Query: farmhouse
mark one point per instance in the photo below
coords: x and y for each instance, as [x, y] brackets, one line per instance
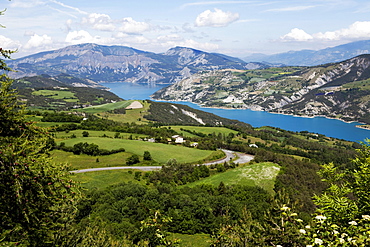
[178, 139]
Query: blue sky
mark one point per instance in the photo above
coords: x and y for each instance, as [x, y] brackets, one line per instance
[236, 28]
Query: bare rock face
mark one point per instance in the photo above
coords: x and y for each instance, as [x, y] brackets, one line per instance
[339, 90]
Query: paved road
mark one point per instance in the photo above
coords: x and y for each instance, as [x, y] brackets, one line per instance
[242, 158]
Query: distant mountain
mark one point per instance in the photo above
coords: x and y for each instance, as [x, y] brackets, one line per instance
[312, 58]
[337, 90]
[119, 63]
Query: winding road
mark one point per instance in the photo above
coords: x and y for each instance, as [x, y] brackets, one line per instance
[241, 159]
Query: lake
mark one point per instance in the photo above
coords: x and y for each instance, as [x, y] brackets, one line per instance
[329, 127]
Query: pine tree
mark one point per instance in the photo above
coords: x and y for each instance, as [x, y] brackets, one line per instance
[37, 197]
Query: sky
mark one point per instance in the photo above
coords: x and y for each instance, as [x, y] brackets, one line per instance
[236, 28]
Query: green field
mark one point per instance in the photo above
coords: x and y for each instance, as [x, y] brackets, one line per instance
[106, 107]
[103, 179]
[261, 174]
[96, 133]
[160, 152]
[67, 96]
[202, 129]
[84, 161]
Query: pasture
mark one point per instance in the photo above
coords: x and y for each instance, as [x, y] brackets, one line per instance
[159, 152]
[103, 179]
[260, 174]
[202, 129]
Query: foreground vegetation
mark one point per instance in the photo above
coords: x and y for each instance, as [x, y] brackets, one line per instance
[318, 197]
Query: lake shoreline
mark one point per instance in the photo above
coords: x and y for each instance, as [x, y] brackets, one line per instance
[359, 124]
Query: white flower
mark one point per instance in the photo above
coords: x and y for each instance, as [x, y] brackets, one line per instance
[335, 232]
[353, 223]
[308, 227]
[303, 231]
[320, 217]
[318, 241]
[279, 245]
[366, 217]
[341, 240]
[308, 245]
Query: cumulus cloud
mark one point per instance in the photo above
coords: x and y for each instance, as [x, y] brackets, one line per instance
[37, 41]
[191, 44]
[170, 37]
[79, 37]
[296, 34]
[100, 22]
[8, 44]
[129, 25]
[217, 18]
[132, 39]
[358, 30]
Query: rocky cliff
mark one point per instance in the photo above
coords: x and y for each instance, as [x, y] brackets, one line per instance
[339, 90]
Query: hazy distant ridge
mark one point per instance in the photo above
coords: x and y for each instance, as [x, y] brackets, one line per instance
[119, 63]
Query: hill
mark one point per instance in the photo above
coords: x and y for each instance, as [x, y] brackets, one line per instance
[62, 92]
[119, 63]
[338, 90]
[312, 57]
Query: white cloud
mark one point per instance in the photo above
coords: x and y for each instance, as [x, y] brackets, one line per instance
[100, 22]
[37, 41]
[132, 39]
[191, 44]
[79, 37]
[358, 30]
[129, 25]
[170, 37]
[9, 44]
[69, 7]
[218, 18]
[296, 34]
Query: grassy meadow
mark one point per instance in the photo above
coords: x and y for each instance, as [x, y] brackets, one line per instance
[159, 152]
[103, 179]
[202, 129]
[260, 174]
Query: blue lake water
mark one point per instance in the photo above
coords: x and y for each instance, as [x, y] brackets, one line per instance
[321, 125]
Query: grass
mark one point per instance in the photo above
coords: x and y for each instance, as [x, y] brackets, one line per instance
[260, 174]
[159, 152]
[196, 240]
[57, 94]
[106, 107]
[85, 161]
[103, 179]
[96, 133]
[202, 129]
[132, 115]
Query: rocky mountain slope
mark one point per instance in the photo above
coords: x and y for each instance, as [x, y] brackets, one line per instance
[338, 90]
[312, 57]
[119, 63]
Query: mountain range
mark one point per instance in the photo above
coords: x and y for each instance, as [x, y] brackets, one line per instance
[338, 90]
[312, 57]
[124, 64]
